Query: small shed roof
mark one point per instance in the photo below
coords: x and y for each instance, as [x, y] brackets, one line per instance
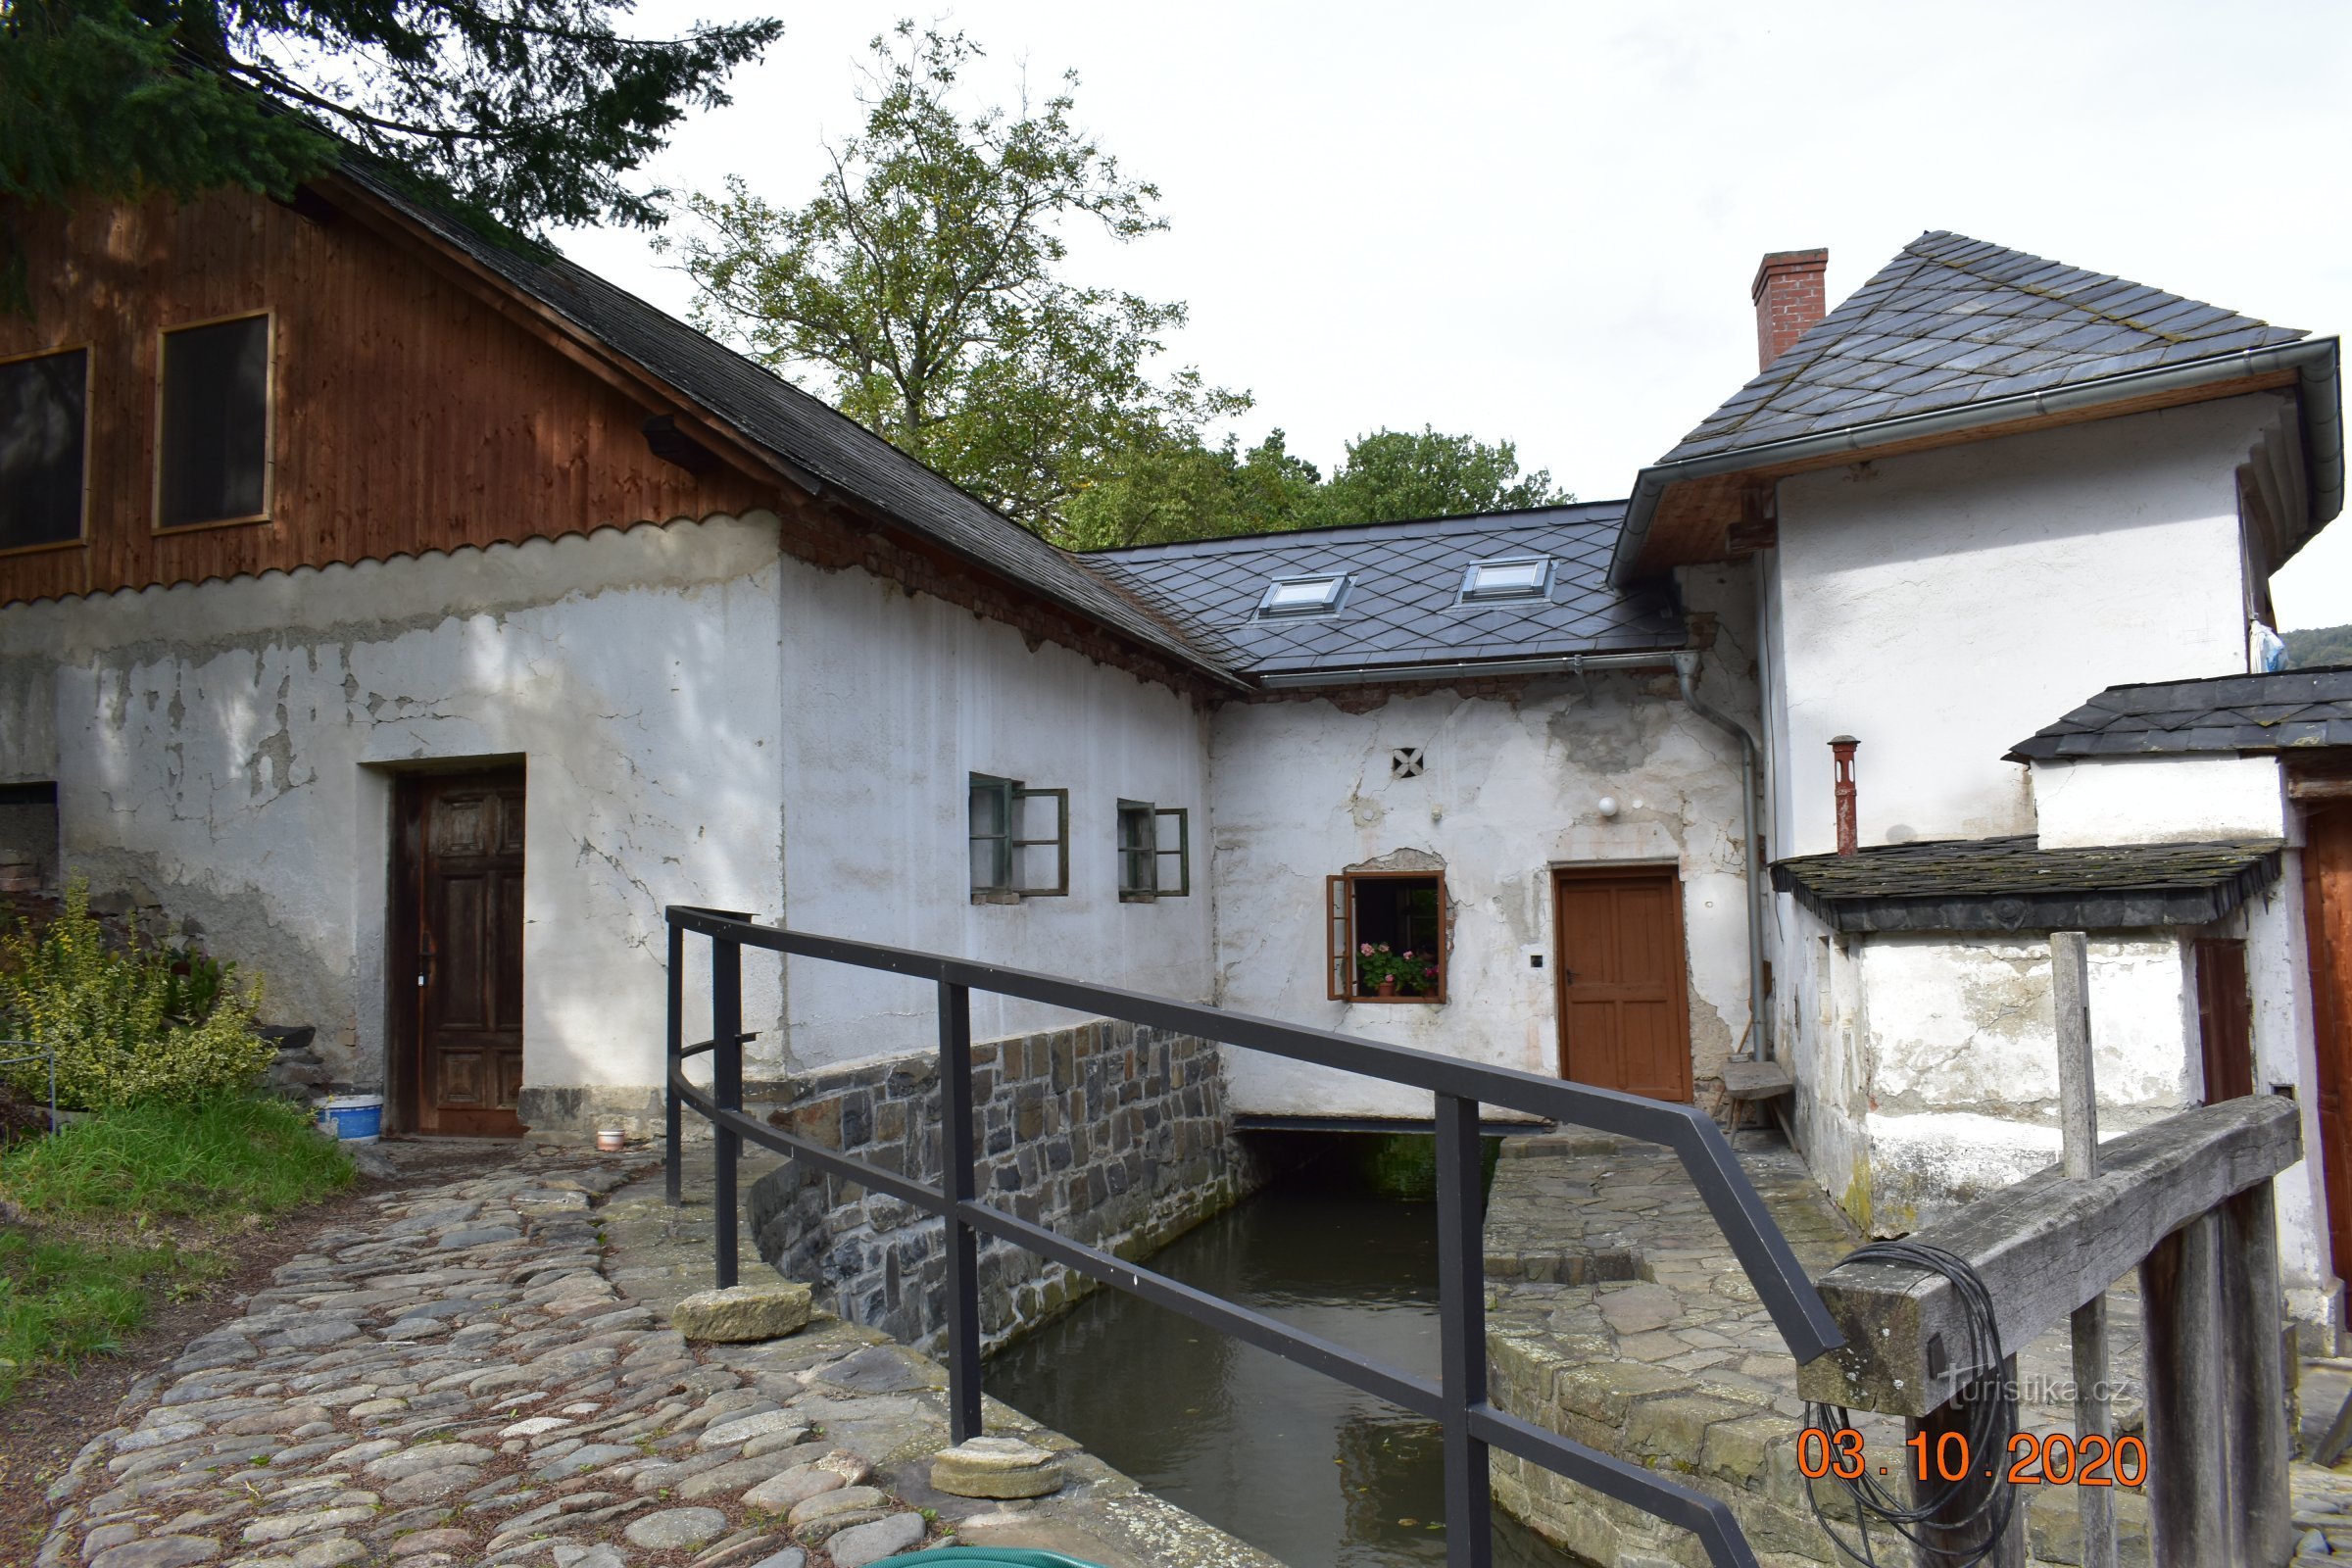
[2285, 709]
[2013, 884]
[1402, 606]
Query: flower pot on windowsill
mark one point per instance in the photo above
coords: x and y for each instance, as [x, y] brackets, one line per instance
[1387, 988]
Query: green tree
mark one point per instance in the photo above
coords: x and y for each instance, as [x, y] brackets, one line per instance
[525, 111]
[2318, 647]
[1182, 489]
[925, 286]
[1392, 476]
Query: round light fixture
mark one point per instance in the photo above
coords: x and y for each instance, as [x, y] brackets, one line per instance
[1607, 806]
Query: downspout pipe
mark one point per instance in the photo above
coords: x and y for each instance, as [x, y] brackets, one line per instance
[1752, 1046]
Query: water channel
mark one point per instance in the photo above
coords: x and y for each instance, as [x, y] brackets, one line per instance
[1298, 1464]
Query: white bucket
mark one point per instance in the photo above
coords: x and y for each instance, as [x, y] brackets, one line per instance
[351, 1118]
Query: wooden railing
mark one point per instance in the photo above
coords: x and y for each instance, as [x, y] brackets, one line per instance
[2186, 1203]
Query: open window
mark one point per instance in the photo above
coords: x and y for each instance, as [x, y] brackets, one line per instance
[44, 443]
[213, 444]
[1386, 936]
[1156, 852]
[1020, 841]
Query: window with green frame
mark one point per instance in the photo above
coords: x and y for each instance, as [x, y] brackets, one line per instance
[1020, 841]
[1156, 852]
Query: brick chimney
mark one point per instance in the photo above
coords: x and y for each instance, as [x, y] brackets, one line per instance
[1788, 297]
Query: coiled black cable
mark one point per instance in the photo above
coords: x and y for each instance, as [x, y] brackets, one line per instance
[1991, 1404]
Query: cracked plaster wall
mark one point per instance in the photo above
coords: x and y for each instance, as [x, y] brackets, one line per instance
[1944, 604]
[229, 749]
[1302, 791]
[894, 701]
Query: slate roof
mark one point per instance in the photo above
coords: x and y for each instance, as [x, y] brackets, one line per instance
[2013, 884]
[1401, 605]
[801, 429]
[2281, 710]
[1952, 320]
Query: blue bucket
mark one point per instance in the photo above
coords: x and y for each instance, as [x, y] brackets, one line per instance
[351, 1118]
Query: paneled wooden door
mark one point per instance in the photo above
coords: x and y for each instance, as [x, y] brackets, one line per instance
[2327, 927]
[1624, 1007]
[462, 838]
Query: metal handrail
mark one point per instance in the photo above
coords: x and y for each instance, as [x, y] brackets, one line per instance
[1457, 1399]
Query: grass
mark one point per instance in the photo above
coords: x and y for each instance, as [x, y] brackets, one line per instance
[138, 1204]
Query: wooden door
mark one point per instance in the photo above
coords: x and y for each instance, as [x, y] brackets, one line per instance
[1624, 1008]
[2224, 1019]
[2327, 928]
[462, 957]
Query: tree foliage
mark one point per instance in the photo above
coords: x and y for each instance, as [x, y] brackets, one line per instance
[2320, 645]
[526, 111]
[1184, 490]
[924, 285]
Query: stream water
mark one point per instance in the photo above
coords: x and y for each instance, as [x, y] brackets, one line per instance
[1298, 1464]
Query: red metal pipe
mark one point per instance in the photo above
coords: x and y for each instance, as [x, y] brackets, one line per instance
[1849, 834]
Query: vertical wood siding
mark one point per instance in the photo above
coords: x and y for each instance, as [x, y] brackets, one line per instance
[407, 415]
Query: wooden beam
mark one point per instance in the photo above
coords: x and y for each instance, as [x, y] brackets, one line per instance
[2043, 1248]
[2181, 1351]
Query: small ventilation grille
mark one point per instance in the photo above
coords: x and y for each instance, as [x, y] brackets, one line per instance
[1405, 762]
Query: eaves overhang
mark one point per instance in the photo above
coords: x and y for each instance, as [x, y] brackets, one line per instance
[2314, 363]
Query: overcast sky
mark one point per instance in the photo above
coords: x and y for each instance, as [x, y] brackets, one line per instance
[1539, 222]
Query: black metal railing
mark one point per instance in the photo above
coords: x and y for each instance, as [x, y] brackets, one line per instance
[1457, 1399]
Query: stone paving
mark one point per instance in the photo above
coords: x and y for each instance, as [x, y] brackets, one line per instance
[1619, 1317]
[483, 1373]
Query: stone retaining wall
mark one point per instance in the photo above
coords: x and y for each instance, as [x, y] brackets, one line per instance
[1110, 1134]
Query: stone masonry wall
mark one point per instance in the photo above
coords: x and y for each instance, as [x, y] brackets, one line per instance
[1109, 1133]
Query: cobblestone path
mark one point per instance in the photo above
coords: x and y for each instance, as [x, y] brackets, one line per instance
[483, 1374]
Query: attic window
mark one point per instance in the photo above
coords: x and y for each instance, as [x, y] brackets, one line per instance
[215, 441]
[1289, 598]
[1524, 577]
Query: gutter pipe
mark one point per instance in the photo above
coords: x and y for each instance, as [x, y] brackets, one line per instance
[2314, 360]
[1562, 664]
[1686, 669]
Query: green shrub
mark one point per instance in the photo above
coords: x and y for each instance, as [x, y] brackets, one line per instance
[124, 1024]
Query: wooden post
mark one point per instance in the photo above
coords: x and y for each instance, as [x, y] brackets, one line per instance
[2078, 1130]
[1939, 1543]
[2256, 1415]
[2179, 1289]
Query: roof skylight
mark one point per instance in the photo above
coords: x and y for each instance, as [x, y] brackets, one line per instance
[1522, 577]
[1288, 598]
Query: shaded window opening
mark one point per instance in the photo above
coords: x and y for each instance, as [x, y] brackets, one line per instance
[1020, 841]
[44, 435]
[1155, 852]
[215, 441]
[1387, 926]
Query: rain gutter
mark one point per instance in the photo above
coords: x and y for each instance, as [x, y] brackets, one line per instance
[1560, 664]
[2314, 360]
[1751, 1046]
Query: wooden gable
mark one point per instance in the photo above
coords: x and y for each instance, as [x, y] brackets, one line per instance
[409, 408]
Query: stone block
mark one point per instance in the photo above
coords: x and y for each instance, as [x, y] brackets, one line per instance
[997, 1467]
[741, 1313]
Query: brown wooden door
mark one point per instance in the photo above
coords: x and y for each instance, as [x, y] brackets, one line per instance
[2224, 1019]
[1623, 1011]
[465, 837]
[2327, 927]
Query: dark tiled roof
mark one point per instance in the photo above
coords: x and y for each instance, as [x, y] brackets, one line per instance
[2013, 884]
[1403, 582]
[2281, 710]
[1953, 321]
[801, 429]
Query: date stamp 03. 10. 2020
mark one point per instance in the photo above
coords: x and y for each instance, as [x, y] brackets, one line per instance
[2051, 1459]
